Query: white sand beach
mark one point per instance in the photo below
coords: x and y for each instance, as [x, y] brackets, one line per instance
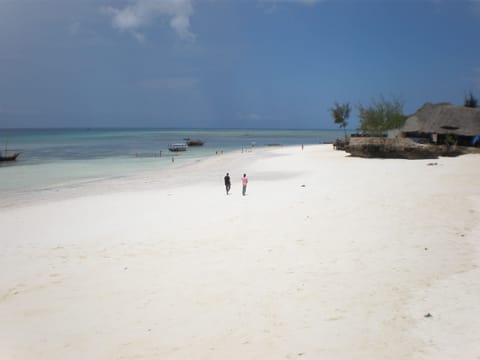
[327, 257]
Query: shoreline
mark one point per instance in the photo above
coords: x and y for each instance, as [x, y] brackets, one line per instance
[327, 256]
[52, 158]
[106, 184]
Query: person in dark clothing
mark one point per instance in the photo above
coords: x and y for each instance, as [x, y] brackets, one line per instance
[227, 182]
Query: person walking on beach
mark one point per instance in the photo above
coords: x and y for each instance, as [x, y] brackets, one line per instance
[227, 182]
[244, 184]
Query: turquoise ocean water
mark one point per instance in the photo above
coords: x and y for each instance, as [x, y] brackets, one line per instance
[56, 157]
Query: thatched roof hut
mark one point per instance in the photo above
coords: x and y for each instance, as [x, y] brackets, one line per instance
[444, 119]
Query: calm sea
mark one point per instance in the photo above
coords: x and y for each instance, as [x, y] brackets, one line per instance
[56, 157]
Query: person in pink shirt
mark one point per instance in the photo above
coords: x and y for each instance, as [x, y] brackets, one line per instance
[244, 184]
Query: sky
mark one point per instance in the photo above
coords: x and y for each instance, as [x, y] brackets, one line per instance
[229, 64]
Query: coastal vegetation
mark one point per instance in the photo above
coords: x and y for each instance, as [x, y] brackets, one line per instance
[340, 114]
[432, 131]
[470, 101]
[381, 115]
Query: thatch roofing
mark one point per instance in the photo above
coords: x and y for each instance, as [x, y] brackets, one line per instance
[444, 119]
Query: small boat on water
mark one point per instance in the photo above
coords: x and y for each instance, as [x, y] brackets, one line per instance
[6, 157]
[195, 142]
[177, 147]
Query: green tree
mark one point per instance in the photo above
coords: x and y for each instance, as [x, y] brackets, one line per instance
[340, 114]
[381, 115]
[470, 101]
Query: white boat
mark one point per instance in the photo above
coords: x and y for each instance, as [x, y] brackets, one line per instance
[177, 147]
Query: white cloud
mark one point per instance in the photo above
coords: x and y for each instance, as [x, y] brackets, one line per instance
[140, 13]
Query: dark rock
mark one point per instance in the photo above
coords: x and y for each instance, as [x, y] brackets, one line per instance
[398, 148]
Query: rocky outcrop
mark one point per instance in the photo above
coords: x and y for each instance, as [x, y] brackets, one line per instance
[398, 148]
[340, 144]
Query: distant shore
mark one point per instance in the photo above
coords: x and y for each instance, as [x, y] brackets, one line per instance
[328, 256]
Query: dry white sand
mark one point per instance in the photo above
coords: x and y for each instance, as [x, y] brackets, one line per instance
[166, 266]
